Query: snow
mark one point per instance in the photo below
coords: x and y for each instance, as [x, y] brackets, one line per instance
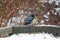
[55, 13]
[50, 1]
[42, 21]
[57, 9]
[26, 36]
[43, 25]
[46, 16]
[20, 11]
[48, 13]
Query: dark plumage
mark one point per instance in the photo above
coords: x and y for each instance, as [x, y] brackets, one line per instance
[29, 19]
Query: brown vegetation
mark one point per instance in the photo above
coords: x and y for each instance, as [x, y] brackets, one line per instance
[9, 9]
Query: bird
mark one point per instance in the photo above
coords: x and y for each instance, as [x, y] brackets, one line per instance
[29, 19]
[34, 21]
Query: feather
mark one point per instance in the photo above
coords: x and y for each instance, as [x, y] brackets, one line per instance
[29, 19]
[34, 21]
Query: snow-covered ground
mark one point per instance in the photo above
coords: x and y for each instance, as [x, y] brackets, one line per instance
[25, 36]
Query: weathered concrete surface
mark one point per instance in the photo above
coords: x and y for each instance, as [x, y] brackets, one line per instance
[6, 31]
[54, 30]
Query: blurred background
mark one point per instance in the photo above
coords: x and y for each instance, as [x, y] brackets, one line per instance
[19, 12]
